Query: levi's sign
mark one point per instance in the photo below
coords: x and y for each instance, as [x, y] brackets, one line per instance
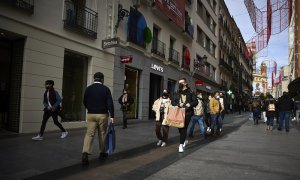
[157, 68]
[109, 43]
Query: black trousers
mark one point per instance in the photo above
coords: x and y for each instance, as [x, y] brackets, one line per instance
[183, 131]
[125, 119]
[46, 116]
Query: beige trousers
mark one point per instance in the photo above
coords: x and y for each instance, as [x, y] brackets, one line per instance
[95, 122]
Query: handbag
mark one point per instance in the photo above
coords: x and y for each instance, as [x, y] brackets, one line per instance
[110, 139]
[176, 117]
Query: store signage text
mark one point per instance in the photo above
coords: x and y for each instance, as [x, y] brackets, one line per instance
[157, 68]
[109, 43]
[126, 59]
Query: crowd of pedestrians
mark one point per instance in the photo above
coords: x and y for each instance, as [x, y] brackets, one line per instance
[208, 112]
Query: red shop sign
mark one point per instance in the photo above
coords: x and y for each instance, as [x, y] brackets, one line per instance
[126, 59]
[199, 83]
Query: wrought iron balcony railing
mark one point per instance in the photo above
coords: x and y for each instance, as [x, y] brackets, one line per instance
[174, 56]
[159, 48]
[80, 19]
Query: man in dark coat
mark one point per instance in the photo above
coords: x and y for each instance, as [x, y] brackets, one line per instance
[184, 98]
[285, 107]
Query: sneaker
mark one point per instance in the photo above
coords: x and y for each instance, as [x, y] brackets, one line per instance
[64, 134]
[37, 138]
[163, 144]
[185, 143]
[180, 148]
[103, 155]
[279, 129]
[159, 143]
[85, 159]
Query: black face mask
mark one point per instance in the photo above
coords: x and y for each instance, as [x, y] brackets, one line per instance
[165, 95]
[181, 86]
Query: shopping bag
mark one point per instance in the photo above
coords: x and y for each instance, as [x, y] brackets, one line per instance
[110, 139]
[176, 117]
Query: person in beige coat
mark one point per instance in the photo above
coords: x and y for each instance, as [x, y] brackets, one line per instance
[161, 108]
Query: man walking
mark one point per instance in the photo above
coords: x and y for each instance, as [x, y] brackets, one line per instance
[285, 107]
[51, 106]
[214, 106]
[125, 101]
[98, 102]
[184, 98]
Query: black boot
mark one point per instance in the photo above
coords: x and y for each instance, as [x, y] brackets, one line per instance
[85, 159]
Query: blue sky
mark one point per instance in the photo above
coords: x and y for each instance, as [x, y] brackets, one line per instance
[278, 45]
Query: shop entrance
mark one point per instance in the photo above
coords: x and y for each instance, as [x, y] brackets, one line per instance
[155, 91]
[74, 84]
[11, 63]
[132, 85]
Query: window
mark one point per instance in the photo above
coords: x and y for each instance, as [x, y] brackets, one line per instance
[200, 8]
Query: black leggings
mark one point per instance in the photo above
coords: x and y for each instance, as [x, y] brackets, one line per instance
[46, 116]
[183, 131]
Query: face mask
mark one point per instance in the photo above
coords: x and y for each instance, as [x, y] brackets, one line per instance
[165, 94]
[181, 86]
[124, 92]
[218, 97]
[200, 97]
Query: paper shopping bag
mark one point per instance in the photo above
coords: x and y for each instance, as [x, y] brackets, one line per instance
[176, 117]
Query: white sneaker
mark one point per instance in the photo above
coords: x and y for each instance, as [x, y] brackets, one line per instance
[159, 143]
[180, 148]
[64, 134]
[163, 144]
[185, 143]
[37, 138]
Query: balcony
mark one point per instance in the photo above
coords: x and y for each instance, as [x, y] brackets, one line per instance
[225, 65]
[80, 19]
[173, 56]
[159, 48]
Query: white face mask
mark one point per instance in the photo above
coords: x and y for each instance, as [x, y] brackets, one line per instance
[218, 97]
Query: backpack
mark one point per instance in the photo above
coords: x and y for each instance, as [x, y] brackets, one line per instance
[271, 107]
[198, 110]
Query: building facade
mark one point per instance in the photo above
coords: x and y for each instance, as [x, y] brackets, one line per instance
[143, 46]
[58, 40]
[294, 41]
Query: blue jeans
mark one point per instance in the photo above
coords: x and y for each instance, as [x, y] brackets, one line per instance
[284, 116]
[196, 119]
[214, 119]
[270, 121]
[219, 121]
[255, 115]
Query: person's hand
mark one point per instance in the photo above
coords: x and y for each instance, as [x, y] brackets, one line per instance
[181, 104]
[188, 105]
[49, 108]
[112, 120]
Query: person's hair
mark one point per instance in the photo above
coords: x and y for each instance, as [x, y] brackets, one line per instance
[99, 77]
[51, 82]
[272, 101]
[215, 93]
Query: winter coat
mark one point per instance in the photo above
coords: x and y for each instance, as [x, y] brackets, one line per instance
[214, 106]
[285, 103]
[190, 98]
[156, 108]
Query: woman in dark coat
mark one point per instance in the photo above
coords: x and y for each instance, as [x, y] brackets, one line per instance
[270, 108]
[125, 101]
